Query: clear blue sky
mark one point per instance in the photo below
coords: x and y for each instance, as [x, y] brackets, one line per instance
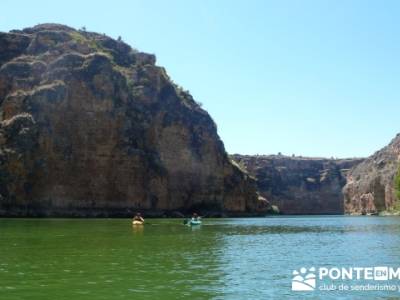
[314, 78]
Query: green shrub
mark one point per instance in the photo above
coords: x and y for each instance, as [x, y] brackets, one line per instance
[397, 183]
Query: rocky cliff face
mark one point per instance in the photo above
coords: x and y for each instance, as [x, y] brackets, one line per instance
[300, 185]
[370, 186]
[91, 127]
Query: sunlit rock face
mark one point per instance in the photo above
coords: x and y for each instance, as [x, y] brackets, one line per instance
[370, 185]
[300, 185]
[91, 127]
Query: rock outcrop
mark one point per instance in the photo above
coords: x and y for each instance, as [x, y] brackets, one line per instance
[370, 185]
[91, 127]
[299, 185]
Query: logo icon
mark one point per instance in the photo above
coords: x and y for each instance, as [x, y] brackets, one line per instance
[304, 280]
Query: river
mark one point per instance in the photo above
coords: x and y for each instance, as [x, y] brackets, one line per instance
[249, 258]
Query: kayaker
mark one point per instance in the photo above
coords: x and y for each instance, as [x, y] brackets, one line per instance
[138, 217]
[195, 220]
[195, 217]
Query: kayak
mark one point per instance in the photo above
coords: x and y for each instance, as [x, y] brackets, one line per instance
[192, 223]
[137, 222]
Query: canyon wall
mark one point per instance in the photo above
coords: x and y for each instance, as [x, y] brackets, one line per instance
[91, 127]
[299, 185]
[370, 187]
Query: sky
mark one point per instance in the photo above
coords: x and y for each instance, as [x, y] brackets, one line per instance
[311, 78]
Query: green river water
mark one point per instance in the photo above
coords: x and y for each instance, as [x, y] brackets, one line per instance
[221, 259]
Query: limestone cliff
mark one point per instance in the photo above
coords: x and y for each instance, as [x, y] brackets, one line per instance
[370, 186]
[91, 127]
[300, 185]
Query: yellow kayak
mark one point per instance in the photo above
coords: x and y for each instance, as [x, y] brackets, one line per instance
[137, 223]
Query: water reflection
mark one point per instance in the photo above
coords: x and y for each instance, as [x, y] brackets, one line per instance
[137, 229]
[195, 228]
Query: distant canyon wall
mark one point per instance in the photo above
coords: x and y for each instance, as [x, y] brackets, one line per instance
[299, 185]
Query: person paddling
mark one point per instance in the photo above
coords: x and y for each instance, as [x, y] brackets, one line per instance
[138, 219]
[195, 217]
[194, 220]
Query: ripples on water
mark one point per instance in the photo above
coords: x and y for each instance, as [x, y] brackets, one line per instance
[222, 259]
